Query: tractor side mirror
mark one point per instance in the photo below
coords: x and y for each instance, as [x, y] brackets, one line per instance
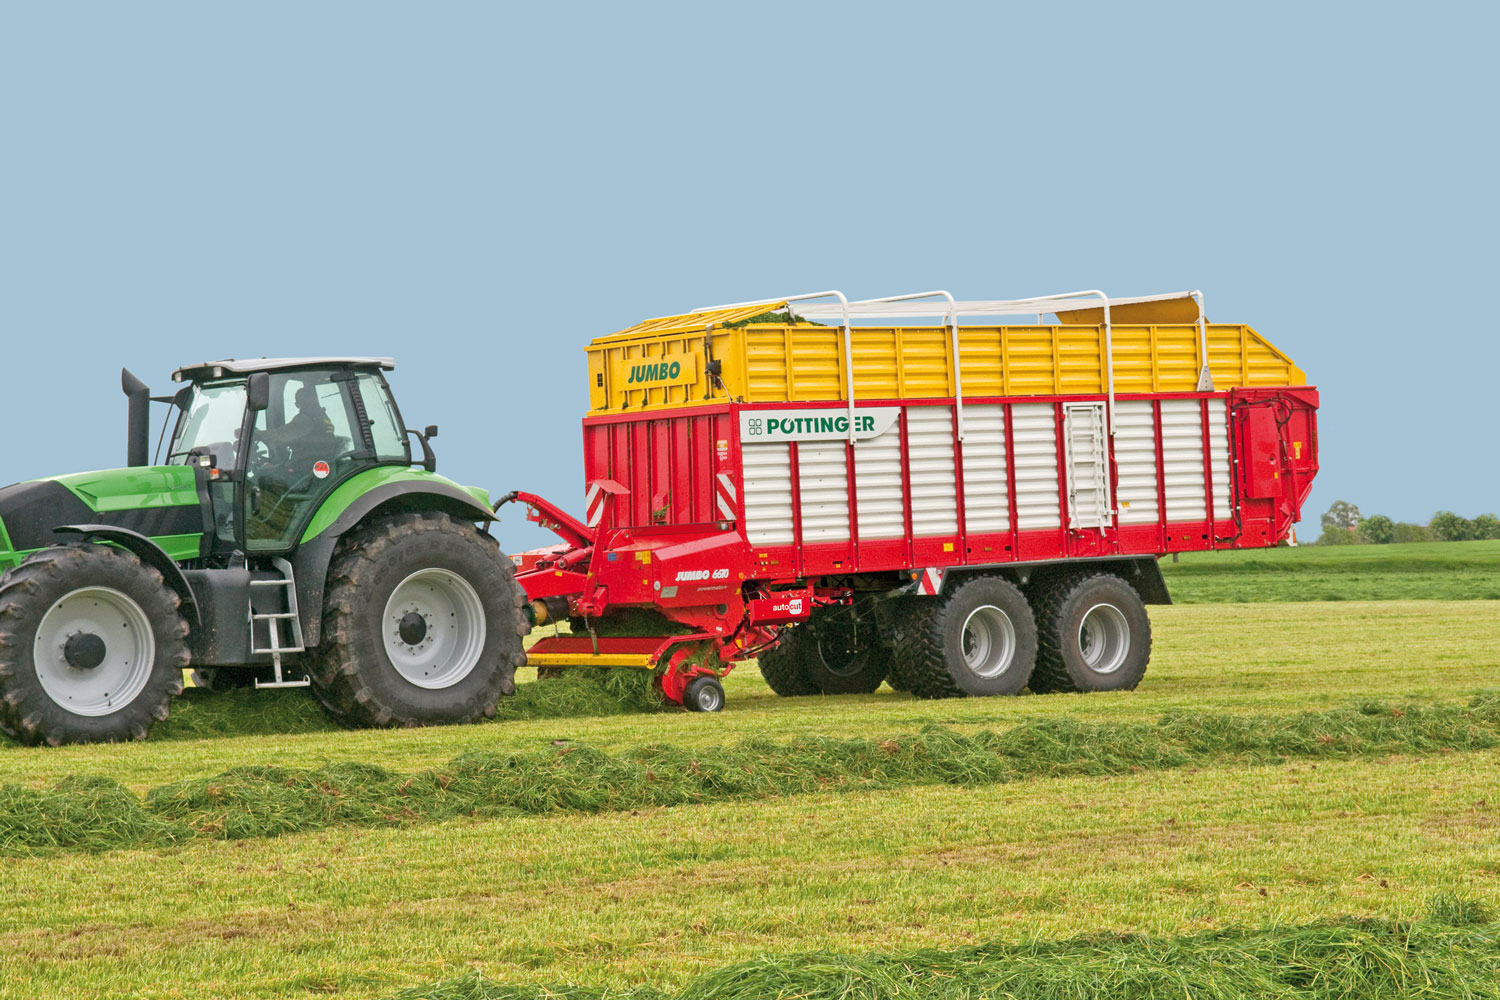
[258, 392]
[429, 460]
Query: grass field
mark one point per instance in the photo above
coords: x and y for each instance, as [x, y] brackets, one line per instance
[1283, 765]
[1450, 571]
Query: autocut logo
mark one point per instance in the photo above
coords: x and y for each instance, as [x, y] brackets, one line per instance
[815, 424]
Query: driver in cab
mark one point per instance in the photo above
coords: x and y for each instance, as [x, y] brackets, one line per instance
[297, 445]
[290, 454]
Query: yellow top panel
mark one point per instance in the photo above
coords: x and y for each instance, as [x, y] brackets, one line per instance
[692, 322]
[804, 363]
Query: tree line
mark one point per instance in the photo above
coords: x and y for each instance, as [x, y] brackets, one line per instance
[1343, 524]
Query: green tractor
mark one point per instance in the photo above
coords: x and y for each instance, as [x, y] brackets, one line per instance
[286, 540]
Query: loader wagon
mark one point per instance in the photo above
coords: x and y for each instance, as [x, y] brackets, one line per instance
[954, 497]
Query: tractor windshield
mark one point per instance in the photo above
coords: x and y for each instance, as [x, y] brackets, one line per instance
[210, 424]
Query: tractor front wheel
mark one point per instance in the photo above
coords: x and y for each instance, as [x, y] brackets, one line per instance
[92, 646]
[422, 624]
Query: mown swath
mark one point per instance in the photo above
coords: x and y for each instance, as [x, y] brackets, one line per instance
[96, 814]
[1454, 953]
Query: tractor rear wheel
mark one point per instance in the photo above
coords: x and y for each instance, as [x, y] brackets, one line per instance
[977, 639]
[422, 624]
[92, 646]
[1095, 634]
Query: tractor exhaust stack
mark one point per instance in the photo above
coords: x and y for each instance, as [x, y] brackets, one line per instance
[138, 423]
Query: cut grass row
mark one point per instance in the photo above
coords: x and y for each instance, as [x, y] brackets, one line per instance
[98, 813]
[1222, 659]
[1453, 953]
[661, 896]
[1449, 571]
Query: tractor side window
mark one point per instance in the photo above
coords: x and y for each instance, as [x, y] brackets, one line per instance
[385, 426]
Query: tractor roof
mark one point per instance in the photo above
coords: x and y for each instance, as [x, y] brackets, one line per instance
[229, 366]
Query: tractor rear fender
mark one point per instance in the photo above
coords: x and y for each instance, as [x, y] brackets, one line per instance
[149, 553]
[311, 560]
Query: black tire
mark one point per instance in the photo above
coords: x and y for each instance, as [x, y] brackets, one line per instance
[932, 635]
[1109, 653]
[784, 665]
[703, 694]
[128, 591]
[352, 670]
[824, 655]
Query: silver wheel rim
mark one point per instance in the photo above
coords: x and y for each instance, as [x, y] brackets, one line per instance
[453, 641]
[1104, 638]
[129, 651]
[989, 641]
[709, 698]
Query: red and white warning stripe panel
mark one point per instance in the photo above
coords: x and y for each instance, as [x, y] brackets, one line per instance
[726, 496]
[932, 581]
[593, 505]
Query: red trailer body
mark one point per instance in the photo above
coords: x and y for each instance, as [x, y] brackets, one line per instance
[732, 520]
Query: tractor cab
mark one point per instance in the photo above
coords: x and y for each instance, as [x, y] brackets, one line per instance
[276, 436]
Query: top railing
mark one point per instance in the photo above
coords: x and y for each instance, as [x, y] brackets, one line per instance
[918, 305]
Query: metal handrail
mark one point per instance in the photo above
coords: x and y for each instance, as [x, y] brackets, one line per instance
[952, 316]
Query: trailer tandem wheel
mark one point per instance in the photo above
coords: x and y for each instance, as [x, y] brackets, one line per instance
[826, 655]
[978, 639]
[1095, 634]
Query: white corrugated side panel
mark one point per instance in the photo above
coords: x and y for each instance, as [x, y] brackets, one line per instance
[768, 493]
[1088, 465]
[1035, 437]
[1218, 446]
[877, 485]
[1135, 461]
[934, 485]
[1182, 459]
[823, 481]
[986, 493]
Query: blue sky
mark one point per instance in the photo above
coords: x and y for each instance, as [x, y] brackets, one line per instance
[478, 189]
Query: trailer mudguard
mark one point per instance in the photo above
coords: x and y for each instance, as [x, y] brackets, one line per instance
[1141, 572]
[411, 491]
[149, 553]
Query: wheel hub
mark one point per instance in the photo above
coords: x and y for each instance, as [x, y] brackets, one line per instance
[84, 650]
[1104, 638]
[77, 667]
[435, 628]
[989, 641]
[413, 628]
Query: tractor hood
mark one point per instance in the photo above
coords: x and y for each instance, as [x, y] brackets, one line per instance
[161, 502]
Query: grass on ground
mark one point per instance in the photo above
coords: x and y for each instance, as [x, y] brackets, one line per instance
[1276, 658]
[1451, 953]
[1448, 571]
[1050, 817]
[99, 814]
[664, 894]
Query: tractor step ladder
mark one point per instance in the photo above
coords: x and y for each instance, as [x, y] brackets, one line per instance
[274, 621]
